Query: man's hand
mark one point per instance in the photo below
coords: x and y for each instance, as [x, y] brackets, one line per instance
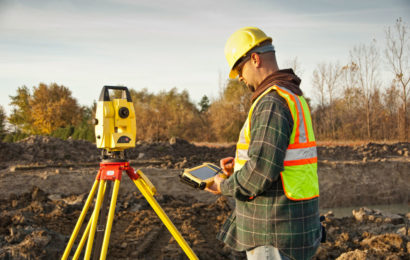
[227, 165]
[215, 187]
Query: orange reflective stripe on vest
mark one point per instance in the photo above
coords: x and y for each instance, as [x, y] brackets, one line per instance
[299, 178]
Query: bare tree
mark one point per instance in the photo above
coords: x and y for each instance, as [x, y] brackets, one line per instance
[398, 54]
[367, 60]
[349, 84]
[295, 65]
[319, 83]
[391, 100]
[333, 75]
[320, 122]
[326, 78]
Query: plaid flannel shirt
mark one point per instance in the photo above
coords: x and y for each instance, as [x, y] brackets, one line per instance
[270, 218]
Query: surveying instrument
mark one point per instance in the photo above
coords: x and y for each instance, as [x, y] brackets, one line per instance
[115, 131]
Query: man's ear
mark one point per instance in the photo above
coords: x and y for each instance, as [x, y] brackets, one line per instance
[256, 59]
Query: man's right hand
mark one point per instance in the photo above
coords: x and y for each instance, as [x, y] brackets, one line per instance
[227, 165]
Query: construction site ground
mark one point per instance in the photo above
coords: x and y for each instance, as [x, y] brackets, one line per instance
[44, 183]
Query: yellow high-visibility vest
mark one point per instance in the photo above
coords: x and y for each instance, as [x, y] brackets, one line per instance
[299, 178]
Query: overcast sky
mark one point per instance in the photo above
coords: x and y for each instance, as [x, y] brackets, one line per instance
[158, 45]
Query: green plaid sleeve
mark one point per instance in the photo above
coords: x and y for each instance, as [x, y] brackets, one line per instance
[270, 218]
[271, 127]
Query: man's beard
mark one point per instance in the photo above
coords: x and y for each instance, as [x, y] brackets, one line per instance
[250, 87]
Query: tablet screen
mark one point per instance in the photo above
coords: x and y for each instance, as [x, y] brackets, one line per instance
[205, 172]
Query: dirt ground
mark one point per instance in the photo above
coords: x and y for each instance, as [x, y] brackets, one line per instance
[44, 183]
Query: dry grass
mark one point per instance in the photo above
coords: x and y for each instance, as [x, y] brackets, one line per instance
[319, 143]
[353, 142]
[213, 145]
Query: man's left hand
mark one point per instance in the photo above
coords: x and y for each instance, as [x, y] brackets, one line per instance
[215, 187]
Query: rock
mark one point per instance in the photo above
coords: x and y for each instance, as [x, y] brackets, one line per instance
[365, 234]
[344, 236]
[383, 243]
[359, 215]
[176, 140]
[321, 253]
[12, 231]
[77, 200]
[54, 197]
[14, 236]
[392, 218]
[377, 216]
[38, 194]
[18, 219]
[403, 231]
[354, 255]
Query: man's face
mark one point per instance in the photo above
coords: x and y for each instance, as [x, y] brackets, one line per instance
[245, 74]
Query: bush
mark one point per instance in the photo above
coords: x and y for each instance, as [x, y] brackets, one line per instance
[63, 132]
[14, 137]
[84, 131]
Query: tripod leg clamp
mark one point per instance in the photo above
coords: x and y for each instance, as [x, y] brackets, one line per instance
[140, 177]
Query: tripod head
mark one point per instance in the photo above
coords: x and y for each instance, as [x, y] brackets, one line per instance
[115, 125]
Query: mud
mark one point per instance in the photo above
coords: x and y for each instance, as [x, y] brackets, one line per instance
[44, 183]
[37, 224]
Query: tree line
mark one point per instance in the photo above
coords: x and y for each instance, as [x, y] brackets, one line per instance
[350, 102]
[52, 110]
[354, 102]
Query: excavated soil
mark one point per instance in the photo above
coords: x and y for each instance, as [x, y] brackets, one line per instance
[44, 183]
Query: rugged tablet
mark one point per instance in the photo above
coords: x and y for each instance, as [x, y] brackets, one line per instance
[200, 176]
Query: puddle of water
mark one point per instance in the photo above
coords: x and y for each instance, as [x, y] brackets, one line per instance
[347, 211]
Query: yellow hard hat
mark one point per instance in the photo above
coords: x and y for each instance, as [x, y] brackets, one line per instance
[240, 42]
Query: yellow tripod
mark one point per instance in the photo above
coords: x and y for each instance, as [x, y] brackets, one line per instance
[112, 171]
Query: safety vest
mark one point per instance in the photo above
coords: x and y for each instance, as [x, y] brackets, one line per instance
[299, 178]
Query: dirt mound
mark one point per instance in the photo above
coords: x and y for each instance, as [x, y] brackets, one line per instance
[348, 175]
[23, 231]
[176, 153]
[36, 225]
[371, 237]
[47, 150]
[370, 151]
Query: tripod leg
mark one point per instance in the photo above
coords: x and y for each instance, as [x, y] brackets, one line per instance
[147, 193]
[99, 235]
[110, 220]
[94, 219]
[80, 221]
[83, 239]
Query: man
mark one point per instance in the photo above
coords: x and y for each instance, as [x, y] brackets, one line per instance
[273, 177]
